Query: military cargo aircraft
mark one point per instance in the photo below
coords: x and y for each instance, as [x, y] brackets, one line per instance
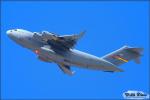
[59, 49]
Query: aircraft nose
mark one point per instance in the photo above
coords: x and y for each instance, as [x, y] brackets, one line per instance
[8, 32]
[12, 34]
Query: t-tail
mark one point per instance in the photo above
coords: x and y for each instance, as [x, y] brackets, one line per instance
[123, 55]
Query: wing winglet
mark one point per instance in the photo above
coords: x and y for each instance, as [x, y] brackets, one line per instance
[81, 34]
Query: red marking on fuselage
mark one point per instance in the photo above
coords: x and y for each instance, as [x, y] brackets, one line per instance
[37, 51]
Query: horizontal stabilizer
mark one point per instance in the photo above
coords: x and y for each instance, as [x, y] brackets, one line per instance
[137, 60]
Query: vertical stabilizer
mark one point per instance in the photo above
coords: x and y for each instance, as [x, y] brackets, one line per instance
[123, 55]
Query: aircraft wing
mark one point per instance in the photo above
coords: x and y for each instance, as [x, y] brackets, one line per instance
[58, 43]
[71, 37]
[69, 41]
[66, 69]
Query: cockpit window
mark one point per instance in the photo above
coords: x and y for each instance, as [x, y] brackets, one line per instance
[45, 32]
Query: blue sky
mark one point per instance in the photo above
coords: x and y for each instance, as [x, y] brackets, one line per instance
[108, 25]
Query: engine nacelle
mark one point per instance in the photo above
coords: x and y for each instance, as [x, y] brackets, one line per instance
[44, 59]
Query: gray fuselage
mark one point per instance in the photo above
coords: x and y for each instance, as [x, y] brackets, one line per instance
[71, 58]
